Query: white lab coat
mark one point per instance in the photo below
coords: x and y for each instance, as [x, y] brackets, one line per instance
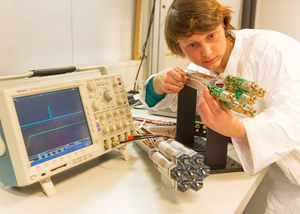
[273, 61]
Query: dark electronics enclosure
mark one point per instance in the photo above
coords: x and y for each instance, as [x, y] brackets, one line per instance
[215, 151]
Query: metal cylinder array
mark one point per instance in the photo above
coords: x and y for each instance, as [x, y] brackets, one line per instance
[233, 92]
[184, 167]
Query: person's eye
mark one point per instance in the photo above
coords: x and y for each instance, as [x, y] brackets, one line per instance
[193, 45]
[212, 36]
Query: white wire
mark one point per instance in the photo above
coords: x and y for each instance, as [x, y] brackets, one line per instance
[100, 68]
[142, 124]
[18, 76]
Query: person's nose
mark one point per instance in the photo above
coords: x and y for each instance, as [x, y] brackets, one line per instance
[206, 50]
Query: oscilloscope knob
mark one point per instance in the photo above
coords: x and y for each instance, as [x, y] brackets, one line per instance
[125, 123]
[107, 95]
[119, 125]
[90, 86]
[128, 113]
[111, 127]
[106, 130]
[119, 101]
[95, 106]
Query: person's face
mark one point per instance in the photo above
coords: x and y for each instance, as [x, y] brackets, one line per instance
[207, 49]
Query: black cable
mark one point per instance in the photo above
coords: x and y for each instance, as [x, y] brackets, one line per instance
[53, 71]
[145, 44]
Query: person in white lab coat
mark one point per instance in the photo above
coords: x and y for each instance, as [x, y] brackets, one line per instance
[201, 31]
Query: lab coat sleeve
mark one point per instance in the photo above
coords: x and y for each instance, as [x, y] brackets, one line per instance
[274, 134]
[169, 102]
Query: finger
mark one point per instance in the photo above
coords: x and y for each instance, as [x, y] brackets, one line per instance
[178, 75]
[180, 71]
[211, 101]
[175, 79]
[172, 89]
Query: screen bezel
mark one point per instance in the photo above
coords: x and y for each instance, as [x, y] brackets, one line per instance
[14, 137]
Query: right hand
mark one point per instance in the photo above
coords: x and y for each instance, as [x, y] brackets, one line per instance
[219, 118]
[169, 81]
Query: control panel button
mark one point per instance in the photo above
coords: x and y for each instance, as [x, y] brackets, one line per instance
[95, 106]
[107, 95]
[90, 87]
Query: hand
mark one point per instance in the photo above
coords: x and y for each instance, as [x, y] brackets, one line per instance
[218, 117]
[170, 81]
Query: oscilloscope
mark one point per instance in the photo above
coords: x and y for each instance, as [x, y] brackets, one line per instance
[51, 124]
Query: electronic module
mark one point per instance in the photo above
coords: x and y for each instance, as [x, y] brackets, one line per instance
[233, 92]
[51, 124]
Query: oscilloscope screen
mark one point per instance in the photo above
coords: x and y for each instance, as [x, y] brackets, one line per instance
[52, 124]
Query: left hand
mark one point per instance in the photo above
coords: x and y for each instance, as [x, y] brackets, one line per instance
[218, 117]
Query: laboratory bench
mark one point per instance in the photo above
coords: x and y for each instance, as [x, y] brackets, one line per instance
[110, 184]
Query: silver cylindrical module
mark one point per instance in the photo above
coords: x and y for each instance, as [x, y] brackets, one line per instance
[161, 161]
[164, 147]
[143, 146]
[178, 146]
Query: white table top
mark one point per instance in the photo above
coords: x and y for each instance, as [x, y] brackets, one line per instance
[110, 184]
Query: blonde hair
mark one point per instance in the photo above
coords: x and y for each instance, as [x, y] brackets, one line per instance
[187, 17]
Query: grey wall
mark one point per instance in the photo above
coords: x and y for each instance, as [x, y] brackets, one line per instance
[54, 33]
[279, 15]
[236, 6]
